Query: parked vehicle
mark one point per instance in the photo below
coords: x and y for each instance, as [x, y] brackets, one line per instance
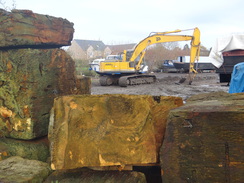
[204, 63]
[168, 66]
[95, 64]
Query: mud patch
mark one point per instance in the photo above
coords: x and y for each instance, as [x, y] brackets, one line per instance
[167, 85]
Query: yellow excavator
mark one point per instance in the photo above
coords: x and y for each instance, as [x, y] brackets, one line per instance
[129, 68]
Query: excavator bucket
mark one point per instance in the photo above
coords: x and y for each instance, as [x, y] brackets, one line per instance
[188, 78]
[182, 80]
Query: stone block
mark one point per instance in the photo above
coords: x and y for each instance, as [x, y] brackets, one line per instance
[204, 140]
[29, 81]
[25, 29]
[107, 130]
[85, 175]
[17, 169]
[29, 149]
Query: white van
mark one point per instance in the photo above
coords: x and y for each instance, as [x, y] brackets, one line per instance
[94, 65]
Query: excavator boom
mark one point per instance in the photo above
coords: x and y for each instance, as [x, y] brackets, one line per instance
[168, 37]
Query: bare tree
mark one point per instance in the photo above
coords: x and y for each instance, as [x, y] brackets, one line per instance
[204, 51]
[165, 51]
[155, 55]
[4, 5]
[170, 45]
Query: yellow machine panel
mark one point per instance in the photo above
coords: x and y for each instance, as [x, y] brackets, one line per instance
[116, 67]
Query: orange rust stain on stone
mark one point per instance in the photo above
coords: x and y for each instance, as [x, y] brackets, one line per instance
[9, 66]
[73, 105]
[6, 113]
[234, 163]
[9, 126]
[26, 111]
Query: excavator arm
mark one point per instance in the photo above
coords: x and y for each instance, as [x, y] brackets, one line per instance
[162, 37]
[194, 53]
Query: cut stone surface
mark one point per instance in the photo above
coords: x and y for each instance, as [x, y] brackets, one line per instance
[222, 96]
[25, 29]
[204, 140]
[107, 130]
[28, 149]
[17, 169]
[90, 176]
[29, 81]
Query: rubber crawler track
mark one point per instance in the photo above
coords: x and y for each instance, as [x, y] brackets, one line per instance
[136, 80]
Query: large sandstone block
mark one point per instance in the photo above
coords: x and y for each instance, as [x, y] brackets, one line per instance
[107, 130]
[204, 140]
[29, 81]
[17, 169]
[23, 28]
[85, 175]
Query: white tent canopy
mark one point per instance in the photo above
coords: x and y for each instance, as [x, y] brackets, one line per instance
[223, 44]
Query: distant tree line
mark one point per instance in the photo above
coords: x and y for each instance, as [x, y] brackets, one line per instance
[155, 55]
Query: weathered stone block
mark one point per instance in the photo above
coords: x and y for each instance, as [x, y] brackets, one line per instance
[29, 149]
[23, 28]
[89, 176]
[107, 130]
[204, 140]
[29, 81]
[17, 169]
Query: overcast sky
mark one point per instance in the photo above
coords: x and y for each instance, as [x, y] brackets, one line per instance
[130, 21]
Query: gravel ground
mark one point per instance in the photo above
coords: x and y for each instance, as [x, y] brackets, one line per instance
[167, 84]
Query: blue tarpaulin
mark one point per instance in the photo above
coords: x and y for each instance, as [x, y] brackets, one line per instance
[237, 79]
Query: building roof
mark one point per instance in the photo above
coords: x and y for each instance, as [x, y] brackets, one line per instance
[85, 44]
[120, 48]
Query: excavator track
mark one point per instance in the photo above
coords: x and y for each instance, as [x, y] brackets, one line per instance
[105, 81]
[136, 80]
[108, 80]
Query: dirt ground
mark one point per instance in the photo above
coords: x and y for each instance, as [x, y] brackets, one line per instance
[167, 84]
